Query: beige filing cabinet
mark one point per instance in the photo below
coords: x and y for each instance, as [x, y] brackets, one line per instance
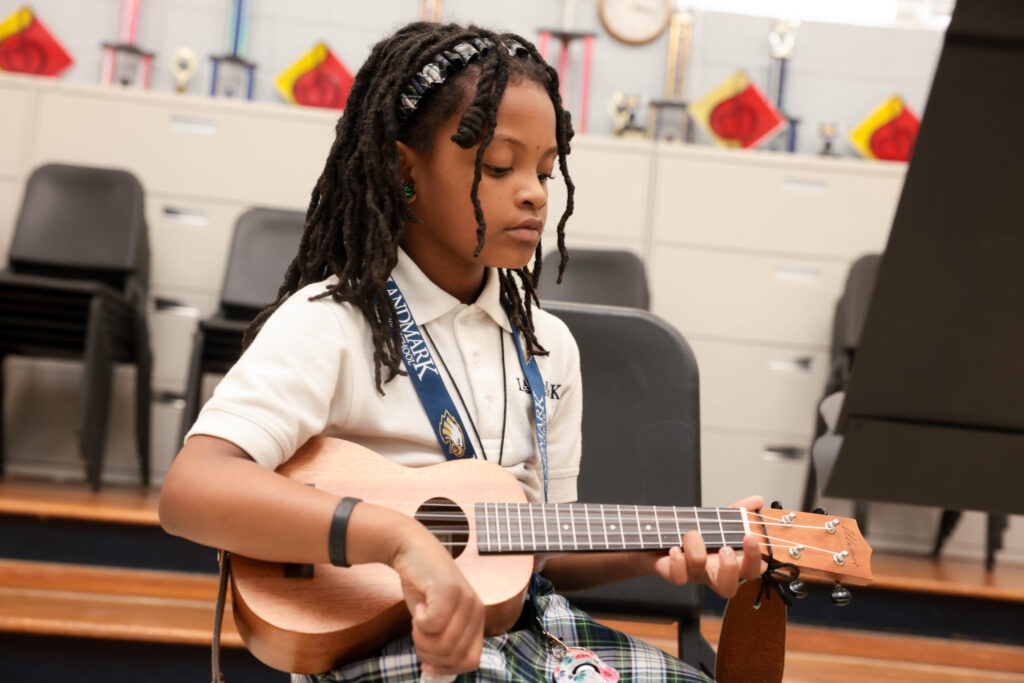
[749, 252]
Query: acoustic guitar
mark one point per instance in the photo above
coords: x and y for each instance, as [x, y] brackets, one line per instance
[310, 619]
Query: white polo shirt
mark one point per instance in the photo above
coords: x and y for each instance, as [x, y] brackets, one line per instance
[310, 371]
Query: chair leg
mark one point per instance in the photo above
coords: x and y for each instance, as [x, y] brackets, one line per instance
[143, 407]
[193, 385]
[946, 525]
[3, 385]
[994, 538]
[95, 398]
[860, 513]
[694, 649]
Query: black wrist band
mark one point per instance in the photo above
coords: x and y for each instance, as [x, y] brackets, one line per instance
[339, 525]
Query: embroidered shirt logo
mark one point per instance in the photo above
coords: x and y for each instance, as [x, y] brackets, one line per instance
[451, 434]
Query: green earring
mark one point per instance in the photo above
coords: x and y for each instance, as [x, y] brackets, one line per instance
[410, 191]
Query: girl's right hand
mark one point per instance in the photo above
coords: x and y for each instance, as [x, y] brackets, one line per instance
[447, 614]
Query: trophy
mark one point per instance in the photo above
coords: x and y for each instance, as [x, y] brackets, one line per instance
[566, 36]
[828, 132]
[123, 62]
[623, 108]
[430, 10]
[781, 41]
[232, 74]
[669, 118]
[183, 68]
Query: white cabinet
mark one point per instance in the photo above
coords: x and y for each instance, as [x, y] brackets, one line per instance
[758, 201]
[746, 252]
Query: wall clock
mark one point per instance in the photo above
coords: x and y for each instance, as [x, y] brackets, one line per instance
[635, 22]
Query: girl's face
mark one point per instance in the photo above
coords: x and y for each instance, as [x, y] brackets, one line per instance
[513, 193]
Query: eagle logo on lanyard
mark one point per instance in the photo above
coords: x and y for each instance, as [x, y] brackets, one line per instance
[451, 435]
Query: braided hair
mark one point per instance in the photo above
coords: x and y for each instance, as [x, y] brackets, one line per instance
[357, 212]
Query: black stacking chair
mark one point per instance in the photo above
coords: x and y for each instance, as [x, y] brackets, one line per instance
[596, 276]
[76, 287]
[265, 241]
[641, 445]
[850, 315]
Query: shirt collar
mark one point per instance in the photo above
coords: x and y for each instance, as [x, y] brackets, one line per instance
[429, 302]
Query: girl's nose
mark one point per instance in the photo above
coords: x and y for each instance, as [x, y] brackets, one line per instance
[534, 192]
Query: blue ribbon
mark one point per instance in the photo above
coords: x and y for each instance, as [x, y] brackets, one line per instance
[436, 399]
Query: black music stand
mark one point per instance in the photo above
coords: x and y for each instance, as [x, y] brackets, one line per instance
[934, 411]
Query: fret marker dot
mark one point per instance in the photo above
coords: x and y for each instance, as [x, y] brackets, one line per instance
[612, 527]
[648, 527]
[565, 526]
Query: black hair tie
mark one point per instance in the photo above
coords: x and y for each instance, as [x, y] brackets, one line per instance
[339, 527]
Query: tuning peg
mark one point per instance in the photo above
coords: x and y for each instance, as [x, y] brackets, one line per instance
[798, 588]
[841, 595]
[820, 511]
[776, 505]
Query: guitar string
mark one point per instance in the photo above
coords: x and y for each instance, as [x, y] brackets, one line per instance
[660, 515]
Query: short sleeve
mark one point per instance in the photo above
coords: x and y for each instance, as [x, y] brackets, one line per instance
[282, 390]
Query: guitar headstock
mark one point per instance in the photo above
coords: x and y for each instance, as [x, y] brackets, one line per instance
[825, 546]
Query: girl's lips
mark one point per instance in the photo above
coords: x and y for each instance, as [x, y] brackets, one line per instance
[527, 225]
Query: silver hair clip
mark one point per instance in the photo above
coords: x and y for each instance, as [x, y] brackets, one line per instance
[445, 64]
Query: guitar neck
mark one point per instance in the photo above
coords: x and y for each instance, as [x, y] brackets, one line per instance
[583, 527]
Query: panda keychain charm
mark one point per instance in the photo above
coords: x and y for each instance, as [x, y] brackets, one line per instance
[578, 665]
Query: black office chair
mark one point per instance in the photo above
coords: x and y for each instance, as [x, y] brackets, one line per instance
[264, 242]
[596, 276]
[850, 315]
[641, 445]
[76, 287]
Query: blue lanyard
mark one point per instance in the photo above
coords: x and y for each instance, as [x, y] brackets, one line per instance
[540, 410]
[419, 363]
[437, 402]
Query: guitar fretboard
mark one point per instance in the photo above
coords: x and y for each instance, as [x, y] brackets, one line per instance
[584, 527]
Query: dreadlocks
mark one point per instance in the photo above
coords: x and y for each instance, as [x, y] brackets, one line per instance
[357, 212]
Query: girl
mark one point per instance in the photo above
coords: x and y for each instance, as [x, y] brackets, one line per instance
[413, 269]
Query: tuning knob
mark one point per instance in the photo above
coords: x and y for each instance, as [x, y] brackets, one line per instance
[776, 505]
[798, 588]
[841, 595]
[820, 511]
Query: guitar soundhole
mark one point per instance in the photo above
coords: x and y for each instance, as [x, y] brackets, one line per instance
[447, 522]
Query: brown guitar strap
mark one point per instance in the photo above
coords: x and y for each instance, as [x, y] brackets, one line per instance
[224, 559]
[752, 645]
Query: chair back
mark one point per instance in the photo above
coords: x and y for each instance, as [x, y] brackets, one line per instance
[641, 435]
[81, 222]
[265, 241]
[596, 276]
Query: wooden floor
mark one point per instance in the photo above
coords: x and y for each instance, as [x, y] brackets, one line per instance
[102, 602]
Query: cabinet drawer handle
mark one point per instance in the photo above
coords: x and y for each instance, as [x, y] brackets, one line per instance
[173, 306]
[193, 124]
[804, 185]
[797, 274]
[776, 453]
[169, 398]
[797, 364]
[174, 214]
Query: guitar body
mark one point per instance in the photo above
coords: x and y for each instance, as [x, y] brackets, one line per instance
[339, 614]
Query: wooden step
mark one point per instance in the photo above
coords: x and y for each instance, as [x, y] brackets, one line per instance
[171, 607]
[104, 602]
[46, 499]
[848, 647]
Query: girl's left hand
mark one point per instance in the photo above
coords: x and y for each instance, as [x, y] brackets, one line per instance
[720, 571]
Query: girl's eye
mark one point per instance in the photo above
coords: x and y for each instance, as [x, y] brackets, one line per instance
[544, 177]
[498, 170]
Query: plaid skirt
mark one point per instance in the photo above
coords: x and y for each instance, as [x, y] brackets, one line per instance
[525, 655]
